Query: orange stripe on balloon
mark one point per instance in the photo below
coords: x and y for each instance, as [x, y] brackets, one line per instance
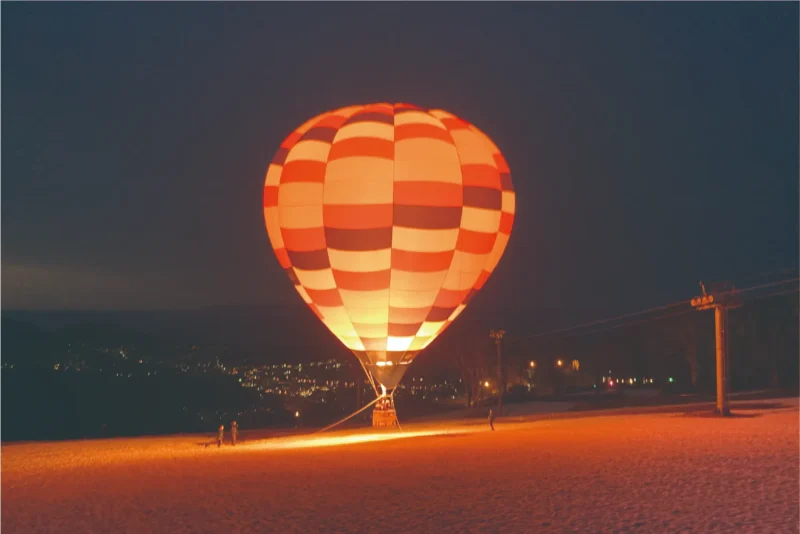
[372, 116]
[292, 275]
[505, 181]
[283, 258]
[331, 121]
[407, 315]
[381, 107]
[421, 262]
[506, 223]
[404, 330]
[476, 242]
[483, 197]
[362, 239]
[291, 139]
[362, 146]
[406, 105]
[450, 299]
[309, 260]
[438, 313]
[416, 131]
[362, 281]
[270, 196]
[470, 296]
[325, 297]
[428, 194]
[303, 171]
[478, 175]
[357, 216]
[500, 161]
[454, 123]
[427, 217]
[484, 276]
[303, 239]
[326, 134]
[280, 156]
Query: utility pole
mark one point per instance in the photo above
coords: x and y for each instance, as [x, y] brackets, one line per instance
[720, 303]
[497, 335]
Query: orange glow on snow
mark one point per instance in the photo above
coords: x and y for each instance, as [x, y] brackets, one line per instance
[309, 441]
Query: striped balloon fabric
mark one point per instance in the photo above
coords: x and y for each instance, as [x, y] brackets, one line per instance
[388, 219]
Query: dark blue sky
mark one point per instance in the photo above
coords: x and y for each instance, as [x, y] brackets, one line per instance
[651, 145]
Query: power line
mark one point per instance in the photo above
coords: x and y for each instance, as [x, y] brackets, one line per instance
[642, 312]
[634, 323]
[776, 294]
[762, 286]
[602, 321]
[765, 275]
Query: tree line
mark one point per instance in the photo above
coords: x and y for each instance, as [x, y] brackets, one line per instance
[763, 350]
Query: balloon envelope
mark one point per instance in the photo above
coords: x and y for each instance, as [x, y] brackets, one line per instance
[388, 219]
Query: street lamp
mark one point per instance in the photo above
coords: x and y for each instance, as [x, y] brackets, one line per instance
[532, 364]
[559, 363]
[486, 384]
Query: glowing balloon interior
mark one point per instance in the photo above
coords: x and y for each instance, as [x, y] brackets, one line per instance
[388, 219]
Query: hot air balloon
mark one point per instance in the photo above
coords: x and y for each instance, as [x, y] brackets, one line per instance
[388, 218]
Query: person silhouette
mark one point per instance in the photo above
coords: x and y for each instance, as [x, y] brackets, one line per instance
[234, 432]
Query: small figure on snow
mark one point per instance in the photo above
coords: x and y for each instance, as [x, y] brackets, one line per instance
[234, 432]
[220, 435]
[491, 419]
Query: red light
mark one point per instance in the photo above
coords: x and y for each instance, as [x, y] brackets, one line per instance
[610, 383]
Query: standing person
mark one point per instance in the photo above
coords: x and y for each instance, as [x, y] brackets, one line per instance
[234, 432]
[491, 419]
[220, 435]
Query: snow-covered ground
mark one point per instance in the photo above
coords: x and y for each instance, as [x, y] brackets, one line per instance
[655, 472]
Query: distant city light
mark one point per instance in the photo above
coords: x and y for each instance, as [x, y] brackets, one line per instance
[671, 380]
[532, 364]
[298, 380]
[559, 363]
[486, 384]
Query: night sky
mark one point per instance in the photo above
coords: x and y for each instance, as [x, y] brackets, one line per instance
[651, 145]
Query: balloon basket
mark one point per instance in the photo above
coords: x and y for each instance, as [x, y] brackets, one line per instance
[384, 414]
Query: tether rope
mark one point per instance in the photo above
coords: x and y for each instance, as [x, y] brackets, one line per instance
[349, 416]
